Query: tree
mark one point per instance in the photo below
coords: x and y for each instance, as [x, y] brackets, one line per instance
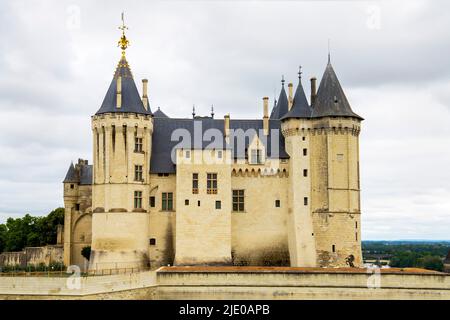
[86, 252]
[30, 231]
[431, 263]
[3, 232]
[48, 226]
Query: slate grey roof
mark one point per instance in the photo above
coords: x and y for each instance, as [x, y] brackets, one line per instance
[159, 114]
[81, 173]
[86, 175]
[131, 100]
[282, 106]
[71, 175]
[331, 100]
[300, 107]
[161, 160]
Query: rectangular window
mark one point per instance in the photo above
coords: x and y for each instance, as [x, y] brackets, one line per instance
[305, 152]
[305, 201]
[195, 183]
[256, 156]
[333, 248]
[138, 199]
[356, 236]
[305, 172]
[218, 205]
[198, 203]
[303, 138]
[77, 207]
[186, 202]
[152, 201]
[188, 154]
[71, 186]
[211, 183]
[277, 203]
[238, 200]
[167, 201]
[219, 154]
[153, 242]
[137, 144]
[138, 173]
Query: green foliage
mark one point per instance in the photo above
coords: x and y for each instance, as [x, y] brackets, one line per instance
[409, 254]
[3, 232]
[30, 231]
[86, 252]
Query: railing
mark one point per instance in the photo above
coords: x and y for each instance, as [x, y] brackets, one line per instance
[61, 271]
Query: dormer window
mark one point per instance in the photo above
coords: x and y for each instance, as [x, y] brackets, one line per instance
[256, 156]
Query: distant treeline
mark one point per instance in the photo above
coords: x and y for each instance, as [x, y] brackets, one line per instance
[30, 231]
[413, 254]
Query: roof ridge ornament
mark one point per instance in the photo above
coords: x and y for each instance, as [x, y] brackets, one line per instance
[329, 52]
[123, 43]
[300, 73]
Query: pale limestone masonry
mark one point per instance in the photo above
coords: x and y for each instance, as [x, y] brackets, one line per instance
[289, 197]
[33, 256]
[245, 283]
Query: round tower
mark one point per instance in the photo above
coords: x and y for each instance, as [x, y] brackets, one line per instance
[296, 128]
[122, 134]
[335, 188]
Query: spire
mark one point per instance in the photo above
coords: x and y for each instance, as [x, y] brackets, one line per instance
[131, 101]
[282, 106]
[300, 107]
[193, 111]
[212, 111]
[331, 100]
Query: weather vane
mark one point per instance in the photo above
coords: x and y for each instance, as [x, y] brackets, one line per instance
[123, 42]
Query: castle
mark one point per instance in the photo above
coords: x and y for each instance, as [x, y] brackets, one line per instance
[283, 189]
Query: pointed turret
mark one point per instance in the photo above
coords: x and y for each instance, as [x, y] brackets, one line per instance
[282, 105]
[71, 175]
[331, 100]
[300, 107]
[123, 86]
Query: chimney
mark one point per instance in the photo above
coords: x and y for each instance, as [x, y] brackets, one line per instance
[290, 99]
[313, 90]
[144, 93]
[119, 92]
[266, 116]
[226, 119]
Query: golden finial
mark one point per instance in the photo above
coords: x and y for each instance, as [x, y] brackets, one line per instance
[123, 42]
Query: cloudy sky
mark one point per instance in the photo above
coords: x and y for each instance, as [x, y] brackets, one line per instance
[57, 59]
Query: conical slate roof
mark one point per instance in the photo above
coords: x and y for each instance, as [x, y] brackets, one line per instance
[159, 114]
[131, 100]
[282, 106]
[300, 107]
[71, 175]
[331, 100]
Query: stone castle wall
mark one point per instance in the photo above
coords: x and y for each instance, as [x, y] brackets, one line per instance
[33, 256]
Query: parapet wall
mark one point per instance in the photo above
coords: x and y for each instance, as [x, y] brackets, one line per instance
[237, 283]
[300, 283]
[33, 256]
